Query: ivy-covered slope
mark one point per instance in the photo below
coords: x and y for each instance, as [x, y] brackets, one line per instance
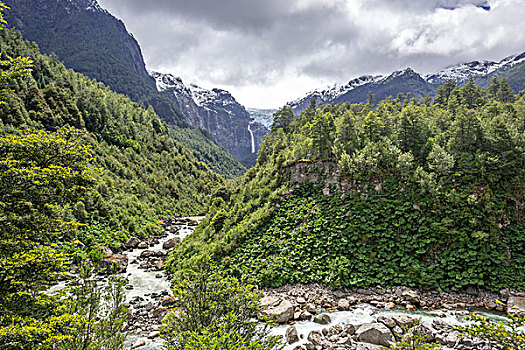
[418, 193]
[146, 175]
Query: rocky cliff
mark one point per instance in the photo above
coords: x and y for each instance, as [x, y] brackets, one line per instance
[215, 111]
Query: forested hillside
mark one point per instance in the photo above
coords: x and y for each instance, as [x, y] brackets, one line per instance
[145, 174]
[89, 40]
[421, 192]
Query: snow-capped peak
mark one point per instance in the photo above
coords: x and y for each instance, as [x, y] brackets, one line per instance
[202, 97]
[336, 90]
[464, 71]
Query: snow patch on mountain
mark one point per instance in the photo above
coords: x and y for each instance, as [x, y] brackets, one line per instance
[464, 71]
[332, 92]
[91, 5]
[202, 97]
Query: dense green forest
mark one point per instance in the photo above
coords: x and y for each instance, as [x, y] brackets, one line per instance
[427, 193]
[145, 174]
[98, 45]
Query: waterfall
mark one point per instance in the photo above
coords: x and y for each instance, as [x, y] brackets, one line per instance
[253, 139]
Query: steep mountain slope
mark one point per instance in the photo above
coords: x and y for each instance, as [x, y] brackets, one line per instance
[90, 40]
[216, 111]
[408, 81]
[145, 175]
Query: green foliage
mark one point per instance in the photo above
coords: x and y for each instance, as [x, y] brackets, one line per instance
[146, 175]
[215, 312]
[422, 194]
[508, 335]
[39, 173]
[100, 314]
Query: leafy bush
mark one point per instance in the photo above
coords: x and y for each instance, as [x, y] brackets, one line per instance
[215, 312]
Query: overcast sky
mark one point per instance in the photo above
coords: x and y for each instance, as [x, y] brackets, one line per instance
[268, 52]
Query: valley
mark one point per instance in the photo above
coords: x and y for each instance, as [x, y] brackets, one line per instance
[139, 210]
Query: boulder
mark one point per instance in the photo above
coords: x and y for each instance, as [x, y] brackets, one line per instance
[516, 304]
[159, 265]
[374, 333]
[315, 338]
[114, 263]
[153, 335]
[301, 300]
[411, 296]
[142, 245]
[170, 243]
[291, 335]
[281, 313]
[322, 319]
[403, 321]
[269, 301]
[387, 321]
[366, 346]
[343, 305]
[138, 343]
[132, 243]
[147, 254]
[105, 250]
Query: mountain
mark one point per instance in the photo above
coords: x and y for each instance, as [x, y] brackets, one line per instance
[91, 41]
[477, 69]
[263, 116]
[215, 111]
[409, 81]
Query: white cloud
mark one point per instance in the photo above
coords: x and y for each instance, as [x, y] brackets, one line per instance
[268, 52]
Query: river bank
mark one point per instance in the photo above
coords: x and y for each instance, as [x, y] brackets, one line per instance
[316, 317]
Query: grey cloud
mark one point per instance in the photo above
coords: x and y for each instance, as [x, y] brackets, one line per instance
[258, 43]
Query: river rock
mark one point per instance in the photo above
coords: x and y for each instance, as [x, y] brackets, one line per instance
[114, 263]
[138, 343]
[142, 245]
[269, 301]
[403, 321]
[343, 305]
[516, 304]
[159, 265]
[281, 313]
[411, 296]
[105, 250]
[374, 333]
[132, 243]
[170, 243]
[153, 335]
[366, 346]
[387, 321]
[322, 319]
[147, 254]
[291, 335]
[315, 338]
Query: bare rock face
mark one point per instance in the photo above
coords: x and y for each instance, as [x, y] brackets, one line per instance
[281, 313]
[374, 333]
